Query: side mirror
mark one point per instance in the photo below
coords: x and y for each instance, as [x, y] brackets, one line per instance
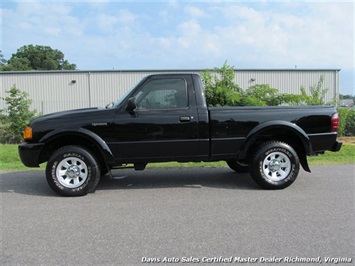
[131, 104]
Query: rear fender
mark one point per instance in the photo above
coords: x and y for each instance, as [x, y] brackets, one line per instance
[276, 127]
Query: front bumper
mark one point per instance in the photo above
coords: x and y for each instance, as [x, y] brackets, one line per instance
[30, 153]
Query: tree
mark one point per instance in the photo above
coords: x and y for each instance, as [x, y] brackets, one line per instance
[263, 94]
[346, 96]
[317, 94]
[18, 64]
[16, 116]
[220, 89]
[30, 57]
[3, 61]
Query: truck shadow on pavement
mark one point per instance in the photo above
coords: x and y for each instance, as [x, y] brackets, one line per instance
[34, 182]
[177, 177]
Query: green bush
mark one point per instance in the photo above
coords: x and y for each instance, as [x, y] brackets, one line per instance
[220, 89]
[5, 135]
[263, 93]
[316, 95]
[343, 114]
[16, 116]
[350, 123]
[347, 122]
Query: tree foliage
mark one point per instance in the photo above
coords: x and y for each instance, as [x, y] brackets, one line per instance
[347, 122]
[16, 115]
[316, 94]
[264, 94]
[3, 61]
[346, 96]
[37, 57]
[220, 90]
[350, 124]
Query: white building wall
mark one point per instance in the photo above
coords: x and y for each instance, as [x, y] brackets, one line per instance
[290, 81]
[53, 91]
[49, 92]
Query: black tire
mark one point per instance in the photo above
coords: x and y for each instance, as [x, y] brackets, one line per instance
[275, 165]
[238, 166]
[72, 171]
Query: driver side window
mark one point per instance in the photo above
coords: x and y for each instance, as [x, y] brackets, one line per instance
[163, 94]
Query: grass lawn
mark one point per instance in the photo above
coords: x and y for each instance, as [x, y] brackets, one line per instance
[10, 161]
[9, 158]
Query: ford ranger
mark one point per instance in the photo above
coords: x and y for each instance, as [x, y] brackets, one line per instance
[165, 118]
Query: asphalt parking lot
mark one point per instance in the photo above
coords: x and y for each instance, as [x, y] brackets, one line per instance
[180, 216]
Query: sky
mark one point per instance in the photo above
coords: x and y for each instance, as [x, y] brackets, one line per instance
[131, 35]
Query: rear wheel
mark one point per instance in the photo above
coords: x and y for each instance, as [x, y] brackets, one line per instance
[275, 165]
[72, 171]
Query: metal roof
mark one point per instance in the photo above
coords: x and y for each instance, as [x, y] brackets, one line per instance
[160, 70]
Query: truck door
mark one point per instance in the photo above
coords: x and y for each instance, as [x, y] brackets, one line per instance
[163, 127]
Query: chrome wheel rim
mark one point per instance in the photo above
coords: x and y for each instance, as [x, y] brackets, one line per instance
[276, 166]
[72, 172]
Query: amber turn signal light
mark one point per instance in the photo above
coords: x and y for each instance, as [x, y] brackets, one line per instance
[27, 134]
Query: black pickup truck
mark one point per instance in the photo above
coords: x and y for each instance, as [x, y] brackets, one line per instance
[165, 118]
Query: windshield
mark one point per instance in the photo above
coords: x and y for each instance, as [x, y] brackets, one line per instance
[124, 96]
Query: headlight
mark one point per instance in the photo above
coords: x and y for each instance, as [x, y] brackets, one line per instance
[27, 134]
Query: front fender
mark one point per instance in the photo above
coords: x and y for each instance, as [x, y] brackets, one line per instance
[83, 133]
[276, 127]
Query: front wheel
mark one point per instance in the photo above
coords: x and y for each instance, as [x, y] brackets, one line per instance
[72, 171]
[275, 165]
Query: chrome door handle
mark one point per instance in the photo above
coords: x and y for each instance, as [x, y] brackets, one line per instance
[184, 119]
